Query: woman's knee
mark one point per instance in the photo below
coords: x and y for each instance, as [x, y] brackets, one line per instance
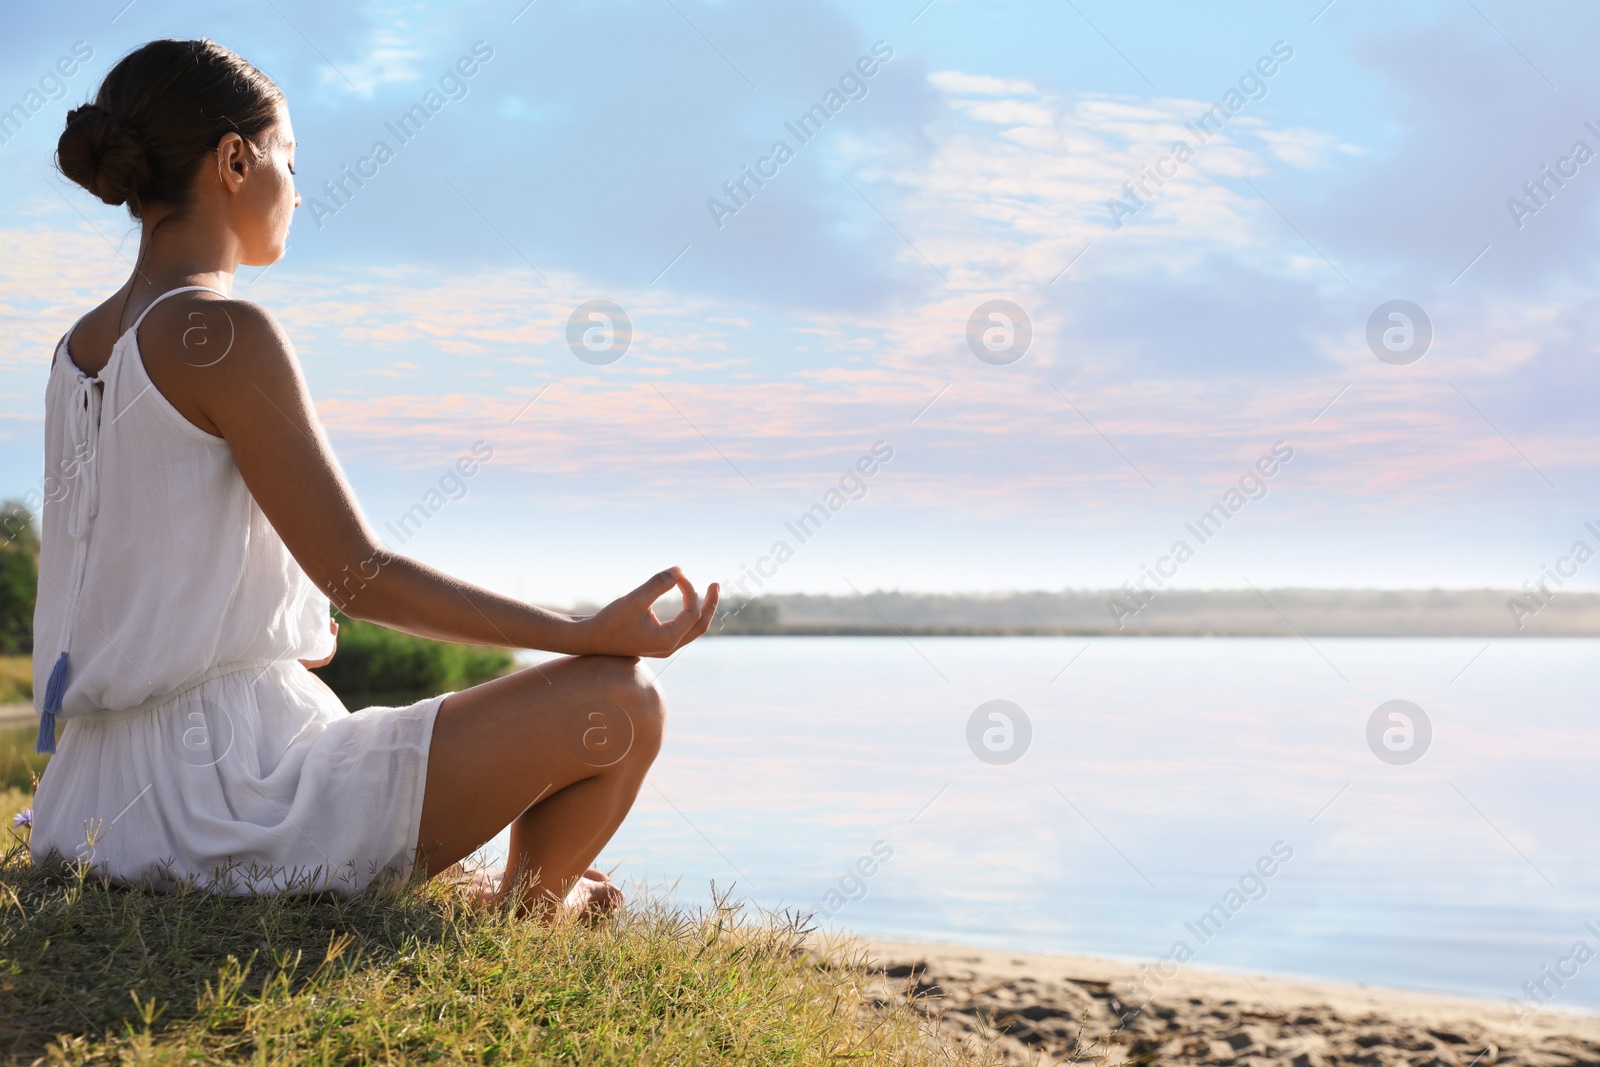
[627, 687]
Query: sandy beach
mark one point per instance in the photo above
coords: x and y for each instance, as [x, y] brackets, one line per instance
[1046, 1009]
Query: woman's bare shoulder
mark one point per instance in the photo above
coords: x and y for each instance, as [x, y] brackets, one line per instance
[206, 352]
[206, 330]
[93, 336]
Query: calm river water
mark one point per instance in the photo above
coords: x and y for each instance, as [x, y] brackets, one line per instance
[1161, 779]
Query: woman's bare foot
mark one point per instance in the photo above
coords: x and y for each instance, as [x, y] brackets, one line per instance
[595, 895]
[479, 885]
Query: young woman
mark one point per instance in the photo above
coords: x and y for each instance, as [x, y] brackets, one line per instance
[199, 527]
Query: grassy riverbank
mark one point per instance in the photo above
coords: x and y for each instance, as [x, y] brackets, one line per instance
[92, 974]
[95, 975]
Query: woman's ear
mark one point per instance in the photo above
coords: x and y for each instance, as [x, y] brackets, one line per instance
[231, 160]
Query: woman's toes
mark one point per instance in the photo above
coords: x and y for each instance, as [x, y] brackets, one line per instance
[486, 888]
[593, 898]
[480, 886]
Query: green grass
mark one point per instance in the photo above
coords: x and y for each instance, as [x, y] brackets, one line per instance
[16, 679]
[19, 767]
[19, 763]
[96, 974]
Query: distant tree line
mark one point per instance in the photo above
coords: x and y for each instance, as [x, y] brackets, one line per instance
[1171, 612]
[19, 578]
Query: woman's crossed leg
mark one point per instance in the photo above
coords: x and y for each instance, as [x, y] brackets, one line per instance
[559, 752]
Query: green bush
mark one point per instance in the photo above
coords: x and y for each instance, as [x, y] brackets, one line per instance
[19, 582]
[376, 665]
[19, 578]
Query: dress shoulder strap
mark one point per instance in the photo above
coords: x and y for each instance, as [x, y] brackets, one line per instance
[66, 337]
[175, 292]
[61, 345]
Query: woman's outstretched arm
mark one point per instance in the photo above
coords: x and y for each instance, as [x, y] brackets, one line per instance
[256, 398]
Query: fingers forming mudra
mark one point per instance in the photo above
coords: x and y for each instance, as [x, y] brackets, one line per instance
[629, 626]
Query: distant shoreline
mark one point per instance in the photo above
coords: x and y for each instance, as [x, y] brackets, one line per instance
[1478, 613]
[1001, 631]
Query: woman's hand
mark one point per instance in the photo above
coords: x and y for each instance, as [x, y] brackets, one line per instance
[628, 627]
[312, 664]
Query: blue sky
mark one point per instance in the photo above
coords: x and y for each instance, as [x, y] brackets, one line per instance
[771, 347]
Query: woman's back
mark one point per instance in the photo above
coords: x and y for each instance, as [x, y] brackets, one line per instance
[156, 565]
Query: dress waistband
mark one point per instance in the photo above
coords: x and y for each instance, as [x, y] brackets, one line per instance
[221, 670]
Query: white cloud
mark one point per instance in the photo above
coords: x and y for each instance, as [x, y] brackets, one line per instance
[1014, 189]
[388, 60]
[958, 82]
[1301, 148]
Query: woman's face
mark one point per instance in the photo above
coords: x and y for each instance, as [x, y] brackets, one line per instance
[267, 198]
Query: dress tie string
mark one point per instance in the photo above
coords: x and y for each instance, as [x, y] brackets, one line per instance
[83, 502]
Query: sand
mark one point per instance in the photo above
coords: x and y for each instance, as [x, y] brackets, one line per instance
[1045, 1009]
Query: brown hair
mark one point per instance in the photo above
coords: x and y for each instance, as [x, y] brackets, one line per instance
[160, 111]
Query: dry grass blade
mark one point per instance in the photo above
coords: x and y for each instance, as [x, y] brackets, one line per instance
[92, 973]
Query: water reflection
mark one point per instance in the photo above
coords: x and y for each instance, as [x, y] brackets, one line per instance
[1158, 773]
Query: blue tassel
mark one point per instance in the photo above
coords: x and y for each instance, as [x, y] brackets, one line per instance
[54, 690]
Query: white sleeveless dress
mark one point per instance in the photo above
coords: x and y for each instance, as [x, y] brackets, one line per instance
[167, 634]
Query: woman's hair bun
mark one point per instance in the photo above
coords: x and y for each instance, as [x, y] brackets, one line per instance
[104, 155]
[162, 110]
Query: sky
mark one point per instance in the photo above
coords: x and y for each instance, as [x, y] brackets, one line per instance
[1060, 276]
